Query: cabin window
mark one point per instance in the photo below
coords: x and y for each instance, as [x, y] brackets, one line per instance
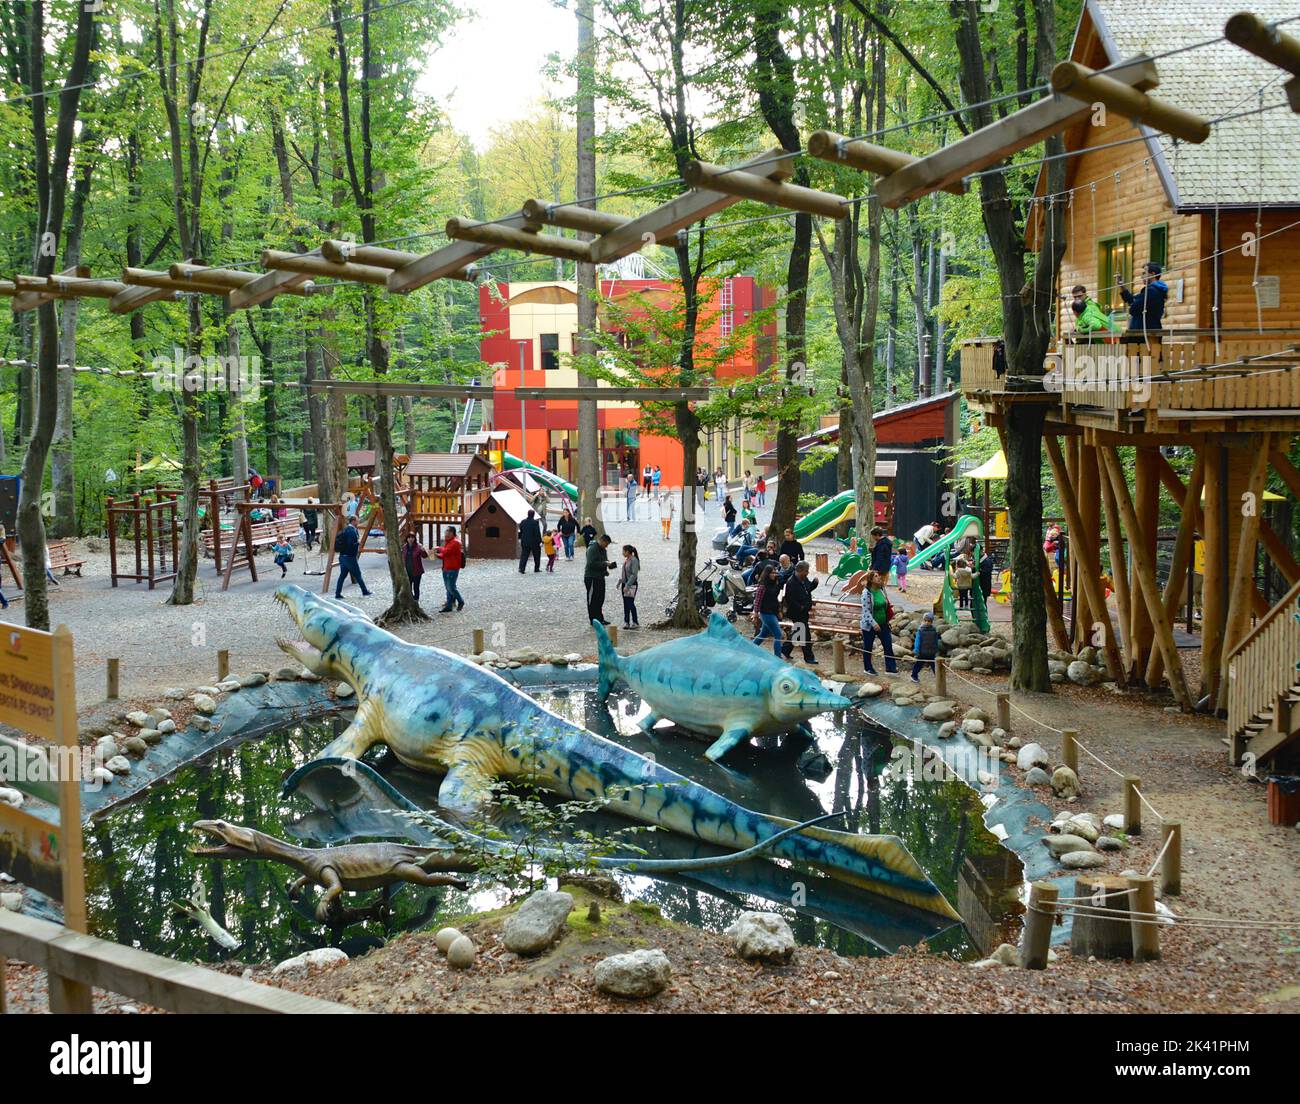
[550, 351]
[492, 532]
[1114, 269]
[1158, 251]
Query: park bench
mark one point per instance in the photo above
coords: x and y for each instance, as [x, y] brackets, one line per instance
[264, 534]
[836, 618]
[61, 557]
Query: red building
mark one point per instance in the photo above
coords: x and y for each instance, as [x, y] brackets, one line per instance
[530, 335]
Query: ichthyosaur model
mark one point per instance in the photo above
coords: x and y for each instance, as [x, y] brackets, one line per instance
[437, 711]
[717, 683]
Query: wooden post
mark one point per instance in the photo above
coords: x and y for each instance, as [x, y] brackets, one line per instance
[1146, 932]
[1183, 546]
[1146, 505]
[223, 663]
[1094, 934]
[3, 1005]
[837, 651]
[478, 641]
[940, 676]
[113, 680]
[1213, 606]
[1004, 712]
[1171, 866]
[823, 563]
[1038, 925]
[1118, 564]
[1132, 805]
[1241, 584]
[1070, 749]
[613, 635]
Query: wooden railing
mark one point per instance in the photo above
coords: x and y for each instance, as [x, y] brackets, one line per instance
[1262, 668]
[977, 366]
[162, 982]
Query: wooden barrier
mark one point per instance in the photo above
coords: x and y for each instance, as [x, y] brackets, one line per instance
[223, 663]
[478, 641]
[1171, 865]
[1004, 712]
[162, 982]
[1038, 925]
[1070, 749]
[837, 650]
[1146, 932]
[114, 679]
[941, 676]
[823, 563]
[1132, 804]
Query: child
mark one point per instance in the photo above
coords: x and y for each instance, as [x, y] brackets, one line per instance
[962, 580]
[548, 546]
[900, 568]
[761, 488]
[666, 513]
[925, 647]
[283, 555]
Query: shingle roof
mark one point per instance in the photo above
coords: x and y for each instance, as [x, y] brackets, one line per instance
[1245, 161]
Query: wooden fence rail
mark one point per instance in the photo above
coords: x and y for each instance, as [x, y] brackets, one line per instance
[1262, 667]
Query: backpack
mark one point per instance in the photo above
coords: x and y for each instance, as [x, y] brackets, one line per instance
[927, 642]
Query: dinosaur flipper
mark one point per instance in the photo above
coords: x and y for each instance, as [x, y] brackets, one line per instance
[466, 789]
[353, 742]
[731, 736]
[647, 723]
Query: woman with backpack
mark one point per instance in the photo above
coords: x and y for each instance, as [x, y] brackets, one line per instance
[876, 615]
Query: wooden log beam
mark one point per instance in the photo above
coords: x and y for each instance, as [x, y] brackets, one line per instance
[1146, 573]
[341, 252]
[997, 142]
[1089, 87]
[1085, 551]
[1237, 623]
[1287, 471]
[662, 223]
[1055, 615]
[421, 390]
[1119, 571]
[1247, 30]
[506, 237]
[1184, 545]
[268, 286]
[282, 261]
[133, 298]
[616, 394]
[1279, 554]
[185, 273]
[747, 185]
[570, 217]
[25, 300]
[448, 260]
[836, 149]
[164, 281]
[9, 288]
[77, 286]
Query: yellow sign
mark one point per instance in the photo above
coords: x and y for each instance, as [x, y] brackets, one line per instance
[1001, 525]
[1198, 557]
[27, 680]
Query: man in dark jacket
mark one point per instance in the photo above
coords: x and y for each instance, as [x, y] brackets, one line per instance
[347, 545]
[593, 578]
[882, 552]
[986, 574]
[530, 543]
[798, 608]
[791, 547]
[1146, 309]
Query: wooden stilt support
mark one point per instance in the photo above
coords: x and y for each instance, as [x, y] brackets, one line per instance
[613, 635]
[1171, 866]
[837, 653]
[1146, 572]
[223, 663]
[1243, 573]
[1190, 497]
[1119, 570]
[1132, 804]
[1070, 749]
[1146, 505]
[1213, 604]
[1102, 928]
[1146, 932]
[1004, 712]
[1055, 615]
[1037, 936]
[114, 684]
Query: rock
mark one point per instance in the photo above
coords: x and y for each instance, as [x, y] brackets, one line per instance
[1080, 673]
[870, 690]
[136, 745]
[119, 764]
[107, 746]
[257, 678]
[972, 725]
[320, 956]
[11, 797]
[204, 704]
[286, 674]
[1006, 955]
[211, 691]
[343, 690]
[11, 901]
[202, 723]
[960, 664]
[1078, 825]
[1114, 820]
[1015, 742]
[1065, 783]
[230, 685]
[998, 736]
[138, 717]
[1032, 755]
[1083, 860]
[1110, 843]
[1065, 843]
[1057, 677]
[986, 779]
[1089, 655]
[158, 716]
[101, 776]
[308, 676]
[813, 763]
[594, 881]
[947, 729]
[537, 923]
[938, 711]
[952, 638]
[523, 655]
[486, 657]
[445, 938]
[461, 953]
[637, 975]
[1036, 776]
[165, 726]
[762, 936]
[175, 693]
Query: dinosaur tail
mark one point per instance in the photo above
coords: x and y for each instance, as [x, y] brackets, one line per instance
[611, 666]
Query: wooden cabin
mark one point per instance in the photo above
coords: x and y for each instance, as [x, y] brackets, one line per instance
[441, 489]
[1220, 380]
[492, 531]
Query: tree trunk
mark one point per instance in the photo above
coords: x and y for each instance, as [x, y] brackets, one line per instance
[589, 455]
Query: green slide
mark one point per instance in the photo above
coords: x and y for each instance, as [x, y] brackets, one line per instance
[967, 525]
[829, 514]
[512, 461]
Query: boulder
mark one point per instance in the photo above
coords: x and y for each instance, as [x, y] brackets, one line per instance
[1083, 860]
[1110, 843]
[286, 674]
[1114, 820]
[204, 704]
[343, 690]
[461, 953]
[257, 678]
[952, 638]
[1036, 776]
[636, 975]
[107, 746]
[1015, 743]
[938, 711]
[165, 726]
[762, 936]
[972, 725]
[1006, 955]
[1078, 825]
[1081, 673]
[119, 764]
[947, 729]
[11, 797]
[870, 690]
[998, 736]
[158, 716]
[320, 956]
[524, 655]
[200, 722]
[1065, 783]
[1032, 755]
[537, 923]
[1090, 655]
[101, 776]
[138, 717]
[230, 685]
[960, 664]
[135, 745]
[1064, 844]
[11, 901]
[174, 693]
[445, 938]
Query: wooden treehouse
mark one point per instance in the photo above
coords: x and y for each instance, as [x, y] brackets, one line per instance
[443, 488]
[1218, 383]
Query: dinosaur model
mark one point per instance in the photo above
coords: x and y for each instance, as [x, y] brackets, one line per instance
[717, 683]
[437, 711]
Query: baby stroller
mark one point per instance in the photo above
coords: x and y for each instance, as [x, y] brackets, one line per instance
[704, 591]
[730, 590]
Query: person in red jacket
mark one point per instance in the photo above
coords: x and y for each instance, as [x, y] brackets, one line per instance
[452, 556]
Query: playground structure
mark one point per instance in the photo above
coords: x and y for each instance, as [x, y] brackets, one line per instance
[152, 529]
[443, 489]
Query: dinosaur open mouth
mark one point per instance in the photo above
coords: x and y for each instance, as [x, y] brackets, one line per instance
[224, 848]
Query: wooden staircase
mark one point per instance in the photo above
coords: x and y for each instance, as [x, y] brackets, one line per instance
[1264, 684]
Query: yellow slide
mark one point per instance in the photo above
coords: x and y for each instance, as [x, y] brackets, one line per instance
[848, 513]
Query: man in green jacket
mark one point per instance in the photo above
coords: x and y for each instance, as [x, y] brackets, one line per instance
[1088, 315]
[593, 578]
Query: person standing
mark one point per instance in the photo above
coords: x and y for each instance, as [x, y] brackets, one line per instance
[701, 482]
[767, 606]
[666, 512]
[530, 543]
[925, 647]
[310, 524]
[747, 492]
[791, 547]
[539, 504]
[720, 483]
[413, 556]
[631, 494]
[657, 478]
[593, 578]
[882, 553]
[729, 514]
[548, 546]
[587, 532]
[452, 555]
[647, 479]
[760, 486]
[798, 608]
[1146, 308]
[962, 580]
[567, 527]
[900, 568]
[346, 546]
[987, 564]
[876, 615]
[627, 585]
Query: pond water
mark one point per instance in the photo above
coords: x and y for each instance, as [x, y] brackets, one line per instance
[138, 859]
